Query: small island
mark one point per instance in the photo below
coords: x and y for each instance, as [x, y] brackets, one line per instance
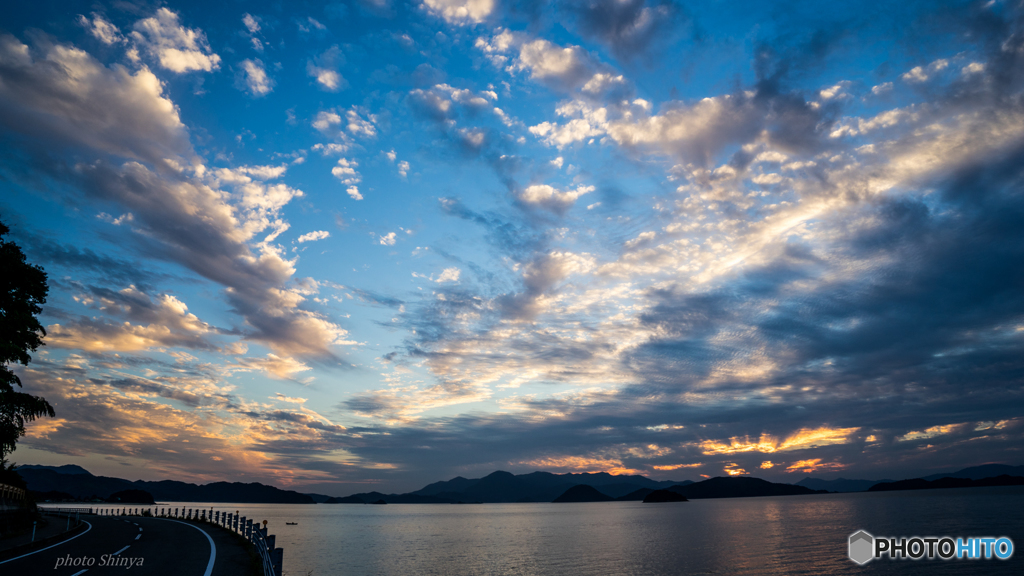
[583, 493]
[664, 496]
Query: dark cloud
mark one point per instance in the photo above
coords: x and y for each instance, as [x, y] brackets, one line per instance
[627, 28]
[60, 95]
[514, 239]
[932, 328]
[118, 271]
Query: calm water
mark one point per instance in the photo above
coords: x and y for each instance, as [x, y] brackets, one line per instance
[776, 535]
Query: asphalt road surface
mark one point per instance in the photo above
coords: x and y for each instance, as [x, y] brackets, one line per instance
[138, 546]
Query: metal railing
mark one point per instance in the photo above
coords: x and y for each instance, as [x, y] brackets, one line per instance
[8, 492]
[271, 557]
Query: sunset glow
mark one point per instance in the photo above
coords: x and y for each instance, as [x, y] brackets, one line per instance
[386, 243]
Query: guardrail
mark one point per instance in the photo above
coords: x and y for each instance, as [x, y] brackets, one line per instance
[271, 557]
[72, 514]
[8, 492]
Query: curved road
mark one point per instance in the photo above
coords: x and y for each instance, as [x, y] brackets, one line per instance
[138, 546]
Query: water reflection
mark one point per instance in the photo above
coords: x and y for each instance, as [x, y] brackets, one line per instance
[774, 536]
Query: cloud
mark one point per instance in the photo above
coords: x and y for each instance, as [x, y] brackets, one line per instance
[627, 27]
[397, 405]
[324, 68]
[313, 236]
[346, 172]
[175, 47]
[167, 323]
[920, 74]
[101, 29]
[449, 275]
[216, 246]
[252, 26]
[252, 23]
[284, 368]
[460, 11]
[795, 271]
[182, 214]
[61, 94]
[86, 261]
[443, 103]
[564, 69]
[800, 440]
[129, 420]
[356, 121]
[550, 198]
[253, 78]
[357, 125]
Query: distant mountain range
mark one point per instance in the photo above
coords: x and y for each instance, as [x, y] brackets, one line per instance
[507, 487]
[548, 487]
[947, 482]
[972, 473]
[79, 483]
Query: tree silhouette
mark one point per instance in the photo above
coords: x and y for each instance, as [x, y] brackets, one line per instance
[22, 292]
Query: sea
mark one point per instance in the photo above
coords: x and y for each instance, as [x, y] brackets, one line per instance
[734, 536]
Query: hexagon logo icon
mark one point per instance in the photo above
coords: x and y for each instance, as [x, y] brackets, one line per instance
[861, 544]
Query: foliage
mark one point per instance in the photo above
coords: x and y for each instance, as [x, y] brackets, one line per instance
[10, 477]
[22, 293]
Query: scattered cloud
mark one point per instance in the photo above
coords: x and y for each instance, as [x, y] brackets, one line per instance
[175, 47]
[461, 11]
[552, 199]
[101, 29]
[254, 79]
[324, 69]
[314, 236]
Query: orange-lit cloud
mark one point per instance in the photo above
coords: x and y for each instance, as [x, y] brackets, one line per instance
[993, 425]
[928, 432]
[766, 464]
[814, 465]
[678, 466]
[767, 444]
[581, 464]
[733, 469]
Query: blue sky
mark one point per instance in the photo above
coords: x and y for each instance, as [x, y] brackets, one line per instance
[382, 243]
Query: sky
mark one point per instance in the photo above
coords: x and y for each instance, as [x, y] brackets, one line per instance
[369, 245]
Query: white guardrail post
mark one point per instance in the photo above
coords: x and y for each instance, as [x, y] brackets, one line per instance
[271, 557]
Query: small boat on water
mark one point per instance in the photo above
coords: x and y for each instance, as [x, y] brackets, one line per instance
[292, 523]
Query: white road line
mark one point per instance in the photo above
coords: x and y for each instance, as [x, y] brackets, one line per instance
[80, 572]
[213, 547]
[48, 547]
[139, 536]
[121, 550]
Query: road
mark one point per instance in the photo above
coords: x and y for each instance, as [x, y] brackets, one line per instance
[140, 547]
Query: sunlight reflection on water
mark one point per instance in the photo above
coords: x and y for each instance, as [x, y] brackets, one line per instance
[776, 535]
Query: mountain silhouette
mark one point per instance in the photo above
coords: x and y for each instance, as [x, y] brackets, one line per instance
[86, 486]
[948, 482]
[583, 493]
